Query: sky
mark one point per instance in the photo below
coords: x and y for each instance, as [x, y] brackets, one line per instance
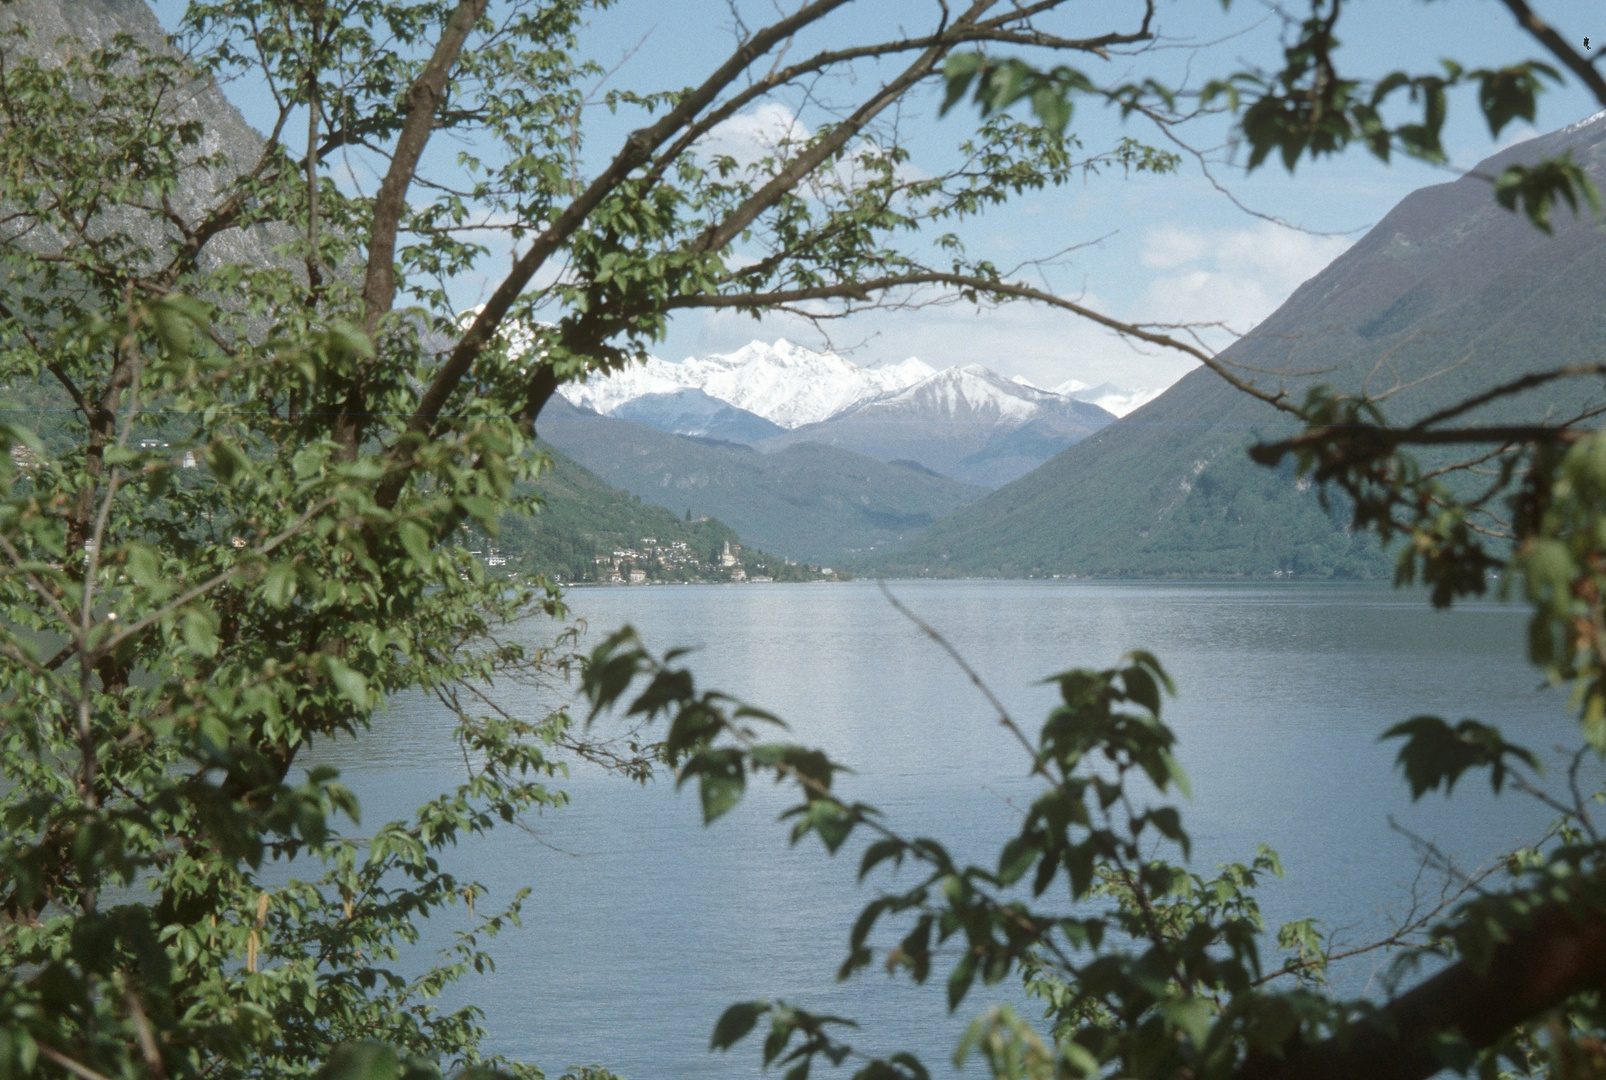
[1171, 248]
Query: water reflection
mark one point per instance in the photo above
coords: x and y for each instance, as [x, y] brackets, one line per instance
[643, 925]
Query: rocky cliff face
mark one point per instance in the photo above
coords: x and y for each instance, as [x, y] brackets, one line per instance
[57, 29]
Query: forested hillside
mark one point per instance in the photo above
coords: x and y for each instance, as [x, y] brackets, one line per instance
[1448, 293]
[807, 502]
[582, 520]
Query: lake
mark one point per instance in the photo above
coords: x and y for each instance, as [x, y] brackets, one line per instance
[643, 925]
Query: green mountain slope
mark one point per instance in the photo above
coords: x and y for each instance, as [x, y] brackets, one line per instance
[584, 520]
[1447, 293]
[807, 502]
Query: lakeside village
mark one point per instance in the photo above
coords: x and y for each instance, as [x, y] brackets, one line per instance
[673, 562]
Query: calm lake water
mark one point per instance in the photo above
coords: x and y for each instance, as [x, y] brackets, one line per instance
[643, 925]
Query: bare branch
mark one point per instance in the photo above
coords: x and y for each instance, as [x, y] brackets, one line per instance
[862, 290]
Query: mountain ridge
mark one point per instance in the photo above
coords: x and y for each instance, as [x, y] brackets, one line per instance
[968, 422]
[807, 502]
[1448, 293]
[964, 421]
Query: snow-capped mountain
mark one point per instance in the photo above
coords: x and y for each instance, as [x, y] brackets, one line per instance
[1118, 400]
[1113, 399]
[971, 395]
[784, 383]
[968, 422]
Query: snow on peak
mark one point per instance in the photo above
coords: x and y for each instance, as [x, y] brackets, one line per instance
[784, 383]
[973, 392]
[790, 385]
[1119, 400]
[1579, 125]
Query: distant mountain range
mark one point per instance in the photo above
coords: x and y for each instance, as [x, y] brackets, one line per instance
[689, 411]
[808, 502]
[969, 423]
[784, 383]
[1448, 293]
[1117, 400]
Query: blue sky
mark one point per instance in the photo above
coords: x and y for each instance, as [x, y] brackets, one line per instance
[1166, 248]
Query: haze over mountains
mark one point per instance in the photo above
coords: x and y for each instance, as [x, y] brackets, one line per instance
[1449, 292]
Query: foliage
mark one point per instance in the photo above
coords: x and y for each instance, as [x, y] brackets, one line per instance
[1144, 967]
[179, 901]
[1169, 981]
[1165, 979]
[1307, 107]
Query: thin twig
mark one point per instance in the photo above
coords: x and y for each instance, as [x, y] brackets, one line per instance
[970, 673]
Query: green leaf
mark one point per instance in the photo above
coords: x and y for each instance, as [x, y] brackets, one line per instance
[352, 686]
[960, 978]
[176, 318]
[279, 584]
[1536, 188]
[1436, 754]
[879, 852]
[360, 1061]
[735, 1023]
[227, 462]
[721, 780]
[958, 71]
[346, 341]
[416, 541]
[199, 634]
[1192, 1015]
[483, 510]
[143, 566]
[1018, 856]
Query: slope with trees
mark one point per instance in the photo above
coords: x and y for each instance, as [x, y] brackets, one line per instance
[1448, 293]
[809, 501]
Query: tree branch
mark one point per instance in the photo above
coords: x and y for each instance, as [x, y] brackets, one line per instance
[638, 149]
[861, 290]
[1547, 36]
[1559, 952]
[423, 99]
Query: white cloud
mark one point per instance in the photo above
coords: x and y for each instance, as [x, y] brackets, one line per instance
[1231, 276]
[750, 137]
[1170, 246]
[771, 131]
